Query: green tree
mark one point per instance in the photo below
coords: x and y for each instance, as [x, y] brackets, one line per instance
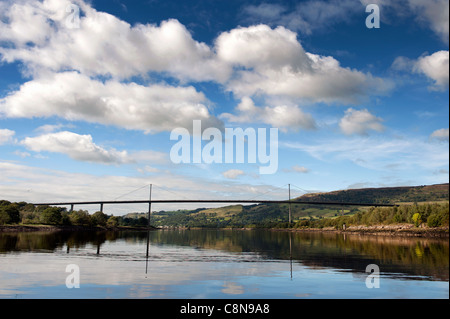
[417, 219]
[142, 221]
[80, 218]
[112, 222]
[51, 216]
[4, 217]
[433, 220]
[10, 213]
[99, 218]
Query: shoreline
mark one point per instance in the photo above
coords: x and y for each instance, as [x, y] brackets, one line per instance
[51, 228]
[400, 230]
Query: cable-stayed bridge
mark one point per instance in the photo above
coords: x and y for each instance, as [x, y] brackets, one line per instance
[151, 201]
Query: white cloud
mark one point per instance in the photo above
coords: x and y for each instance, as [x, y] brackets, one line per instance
[360, 122]
[73, 96]
[22, 154]
[260, 45]
[82, 148]
[300, 169]
[148, 169]
[65, 65]
[233, 173]
[77, 147]
[6, 136]
[102, 45]
[281, 116]
[442, 134]
[275, 63]
[436, 67]
[435, 13]
[49, 128]
[402, 63]
[264, 11]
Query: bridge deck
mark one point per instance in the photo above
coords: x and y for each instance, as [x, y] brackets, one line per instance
[215, 201]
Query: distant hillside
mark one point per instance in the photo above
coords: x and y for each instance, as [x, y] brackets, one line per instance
[387, 195]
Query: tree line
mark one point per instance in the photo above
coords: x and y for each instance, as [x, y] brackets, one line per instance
[267, 216]
[15, 213]
[432, 215]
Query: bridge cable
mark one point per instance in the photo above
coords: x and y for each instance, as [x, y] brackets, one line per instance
[304, 190]
[135, 190]
[270, 191]
[169, 191]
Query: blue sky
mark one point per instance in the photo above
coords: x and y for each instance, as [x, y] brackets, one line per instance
[88, 100]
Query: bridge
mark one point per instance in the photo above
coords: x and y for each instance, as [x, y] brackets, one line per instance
[151, 201]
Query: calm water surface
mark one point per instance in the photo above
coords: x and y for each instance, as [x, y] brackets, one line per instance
[220, 264]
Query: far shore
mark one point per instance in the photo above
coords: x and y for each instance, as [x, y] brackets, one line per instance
[378, 230]
[382, 230]
[52, 228]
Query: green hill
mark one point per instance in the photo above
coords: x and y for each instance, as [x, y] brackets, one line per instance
[387, 195]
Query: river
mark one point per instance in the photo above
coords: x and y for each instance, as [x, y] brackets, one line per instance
[220, 264]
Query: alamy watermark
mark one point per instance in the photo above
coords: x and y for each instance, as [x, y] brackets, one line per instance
[373, 280]
[73, 19]
[373, 19]
[229, 149]
[73, 280]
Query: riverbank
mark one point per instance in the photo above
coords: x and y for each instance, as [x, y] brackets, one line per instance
[50, 228]
[381, 230]
[399, 230]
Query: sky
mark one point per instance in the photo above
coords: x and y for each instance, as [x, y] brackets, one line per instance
[91, 93]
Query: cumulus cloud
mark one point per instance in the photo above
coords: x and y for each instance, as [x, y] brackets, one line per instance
[272, 62]
[66, 63]
[74, 96]
[282, 116]
[275, 64]
[360, 122]
[435, 67]
[233, 173]
[77, 147]
[442, 134]
[435, 13]
[6, 136]
[102, 45]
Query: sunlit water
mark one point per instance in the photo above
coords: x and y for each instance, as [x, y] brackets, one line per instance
[220, 264]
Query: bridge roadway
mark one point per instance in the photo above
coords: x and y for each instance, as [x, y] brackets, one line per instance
[213, 201]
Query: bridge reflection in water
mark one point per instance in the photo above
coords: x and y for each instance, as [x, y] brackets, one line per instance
[408, 258]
